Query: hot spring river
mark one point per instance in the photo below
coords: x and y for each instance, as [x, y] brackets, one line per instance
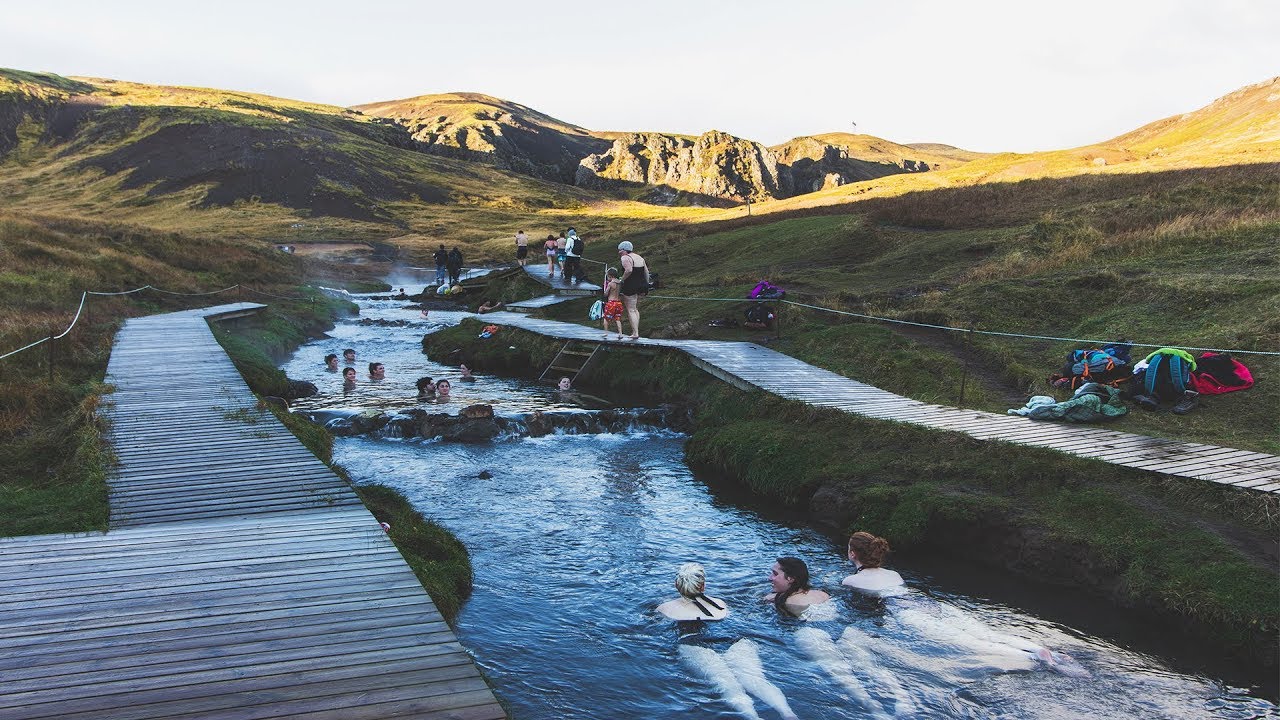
[574, 539]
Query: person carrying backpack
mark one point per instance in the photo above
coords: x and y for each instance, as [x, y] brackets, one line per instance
[573, 248]
[454, 263]
[442, 258]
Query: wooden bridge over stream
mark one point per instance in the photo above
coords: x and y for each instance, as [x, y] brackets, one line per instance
[754, 368]
[241, 578]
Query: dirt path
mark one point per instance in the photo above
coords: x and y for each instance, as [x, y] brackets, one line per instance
[996, 387]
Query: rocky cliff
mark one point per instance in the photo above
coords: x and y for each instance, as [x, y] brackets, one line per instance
[714, 164]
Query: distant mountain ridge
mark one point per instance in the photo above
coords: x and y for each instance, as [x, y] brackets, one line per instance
[147, 151]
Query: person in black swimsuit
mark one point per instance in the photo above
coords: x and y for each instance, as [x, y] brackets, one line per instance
[635, 282]
[691, 582]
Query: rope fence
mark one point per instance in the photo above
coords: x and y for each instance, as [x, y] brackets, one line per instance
[84, 296]
[946, 328]
[951, 328]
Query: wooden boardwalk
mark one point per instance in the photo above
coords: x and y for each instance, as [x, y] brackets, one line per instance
[558, 284]
[241, 578]
[756, 368]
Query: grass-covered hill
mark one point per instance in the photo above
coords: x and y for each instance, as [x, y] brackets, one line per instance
[1185, 257]
[242, 165]
[488, 129]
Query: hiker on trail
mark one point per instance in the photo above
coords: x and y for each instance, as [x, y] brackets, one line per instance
[349, 356]
[522, 248]
[442, 260]
[612, 303]
[562, 244]
[573, 257]
[331, 362]
[550, 249]
[454, 263]
[635, 282]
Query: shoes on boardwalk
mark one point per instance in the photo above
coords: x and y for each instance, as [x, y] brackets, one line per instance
[1189, 400]
[633, 337]
[1146, 402]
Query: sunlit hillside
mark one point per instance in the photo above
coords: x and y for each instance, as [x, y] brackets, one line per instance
[241, 165]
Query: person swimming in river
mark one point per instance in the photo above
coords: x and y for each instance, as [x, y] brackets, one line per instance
[349, 356]
[377, 371]
[489, 306]
[331, 362]
[349, 378]
[867, 553]
[792, 593]
[426, 388]
[442, 391]
[946, 626]
[693, 604]
[466, 374]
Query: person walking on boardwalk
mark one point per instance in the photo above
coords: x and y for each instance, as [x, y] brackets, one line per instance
[550, 249]
[522, 248]
[454, 263]
[635, 282]
[442, 260]
[573, 257]
[612, 302]
[562, 244]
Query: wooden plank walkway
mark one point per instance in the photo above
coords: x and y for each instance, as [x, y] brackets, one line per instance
[753, 368]
[558, 284]
[241, 578]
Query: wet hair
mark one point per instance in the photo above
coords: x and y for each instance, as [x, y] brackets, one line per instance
[423, 383]
[349, 372]
[373, 366]
[794, 568]
[329, 357]
[445, 383]
[691, 579]
[348, 350]
[869, 549]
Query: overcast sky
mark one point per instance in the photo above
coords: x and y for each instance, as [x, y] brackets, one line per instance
[1018, 75]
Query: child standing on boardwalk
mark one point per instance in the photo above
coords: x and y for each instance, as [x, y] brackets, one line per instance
[612, 303]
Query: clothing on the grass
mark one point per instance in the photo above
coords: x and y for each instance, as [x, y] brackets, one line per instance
[1092, 402]
[1219, 373]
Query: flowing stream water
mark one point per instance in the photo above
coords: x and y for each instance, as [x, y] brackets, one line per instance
[575, 537]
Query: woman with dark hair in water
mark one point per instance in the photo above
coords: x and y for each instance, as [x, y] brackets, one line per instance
[789, 578]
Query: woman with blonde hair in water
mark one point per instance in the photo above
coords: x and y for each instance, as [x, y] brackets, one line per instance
[691, 583]
[737, 673]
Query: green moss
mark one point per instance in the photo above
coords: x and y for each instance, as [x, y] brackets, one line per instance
[437, 557]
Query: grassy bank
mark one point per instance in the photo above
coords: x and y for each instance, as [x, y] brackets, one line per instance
[1192, 552]
[437, 557]
[51, 447]
[1182, 257]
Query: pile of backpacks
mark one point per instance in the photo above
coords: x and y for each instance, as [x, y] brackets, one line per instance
[1168, 375]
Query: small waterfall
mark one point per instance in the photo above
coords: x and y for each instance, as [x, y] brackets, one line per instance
[480, 426]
